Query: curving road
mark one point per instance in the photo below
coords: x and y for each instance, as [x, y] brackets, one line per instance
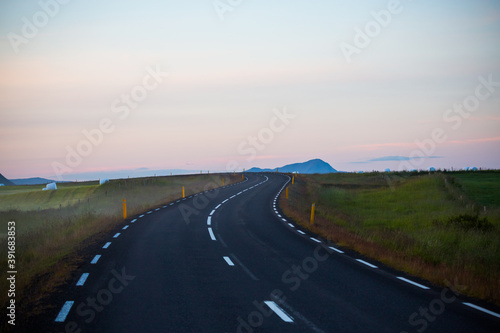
[228, 261]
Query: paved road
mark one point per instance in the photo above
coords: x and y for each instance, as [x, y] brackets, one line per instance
[228, 261]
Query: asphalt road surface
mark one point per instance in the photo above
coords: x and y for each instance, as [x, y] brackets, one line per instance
[228, 261]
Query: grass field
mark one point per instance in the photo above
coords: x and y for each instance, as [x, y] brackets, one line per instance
[53, 225]
[444, 227]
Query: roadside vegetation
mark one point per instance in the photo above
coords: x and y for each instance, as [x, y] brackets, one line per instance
[441, 226]
[53, 226]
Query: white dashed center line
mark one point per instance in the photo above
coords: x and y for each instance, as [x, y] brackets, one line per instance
[228, 260]
[61, 317]
[96, 259]
[82, 279]
[273, 306]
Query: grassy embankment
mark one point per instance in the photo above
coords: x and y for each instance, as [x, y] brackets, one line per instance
[52, 226]
[443, 227]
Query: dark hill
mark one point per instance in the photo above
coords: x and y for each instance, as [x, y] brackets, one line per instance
[5, 181]
[312, 166]
[32, 181]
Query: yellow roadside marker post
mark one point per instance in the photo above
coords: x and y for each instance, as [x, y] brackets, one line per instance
[286, 192]
[293, 179]
[183, 193]
[124, 209]
[312, 213]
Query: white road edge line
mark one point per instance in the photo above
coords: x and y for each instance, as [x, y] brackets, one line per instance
[228, 260]
[334, 249]
[116, 235]
[106, 245]
[210, 231]
[413, 283]
[282, 314]
[314, 239]
[217, 207]
[61, 317]
[212, 212]
[291, 225]
[82, 279]
[366, 263]
[125, 227]
[133, 220]
[141, 216]
[482, 309]
[301, 232]
[209, 220]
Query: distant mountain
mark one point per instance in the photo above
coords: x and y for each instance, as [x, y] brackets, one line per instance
[5, 181]
[32, 181]
[312, 166]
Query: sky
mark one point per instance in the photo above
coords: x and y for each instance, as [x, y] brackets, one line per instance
[90, 87]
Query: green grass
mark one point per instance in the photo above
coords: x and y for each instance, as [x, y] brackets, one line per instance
[484, 189]
[53, 225]
[437, 220]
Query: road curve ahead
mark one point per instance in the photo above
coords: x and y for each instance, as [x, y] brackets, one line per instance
[227, 260]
